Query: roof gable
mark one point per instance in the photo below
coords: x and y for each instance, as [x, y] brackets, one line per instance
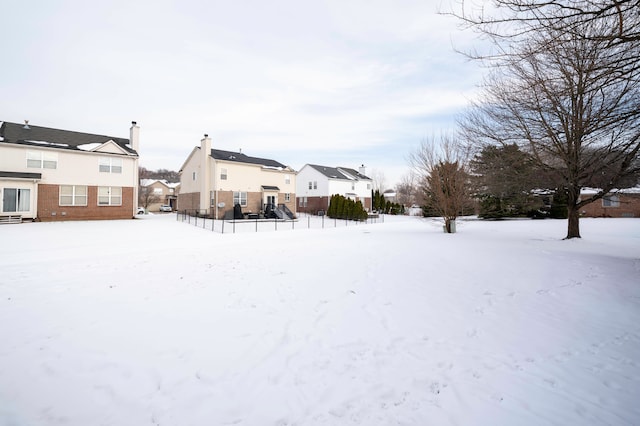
[26, 134]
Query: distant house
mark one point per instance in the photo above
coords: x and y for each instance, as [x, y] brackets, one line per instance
[51, 174]
[621, 203]
[390, 195]
[213, 181]
[316, 184]
[157, 192]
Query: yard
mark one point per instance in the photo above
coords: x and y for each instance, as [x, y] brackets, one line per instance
[156, 322]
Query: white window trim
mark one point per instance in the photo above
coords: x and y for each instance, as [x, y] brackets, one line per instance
[111, 196]
[44, 160]
[611, 201]
[22, 201]
[111, 165]
[240, 197]
[74, 196]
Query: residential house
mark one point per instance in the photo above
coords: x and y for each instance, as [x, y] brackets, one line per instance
[621, 203]
[51, 174]
[213, 181]
[157, 192]
[316, 184]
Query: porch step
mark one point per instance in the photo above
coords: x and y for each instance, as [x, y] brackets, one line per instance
[11, 219]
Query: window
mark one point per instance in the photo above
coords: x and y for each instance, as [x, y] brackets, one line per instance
[287, 179]
[72, 195]
[353, 186]
[310, 185]
[194, 175]
[16, 200]
[315, 184]
[287, 197]
[110, 165]
[212, 201]
[368, 186]
[42, 160]
[240, 198]
[223, 174]
[157, 191]
[302, 201]
[109, 196]
[610, 201]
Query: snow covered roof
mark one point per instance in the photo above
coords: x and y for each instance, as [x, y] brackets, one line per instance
[147, 182]
[632, 190]
[27, 134]
[344, 173]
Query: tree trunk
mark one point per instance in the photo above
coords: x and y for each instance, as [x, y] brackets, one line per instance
[573, 216]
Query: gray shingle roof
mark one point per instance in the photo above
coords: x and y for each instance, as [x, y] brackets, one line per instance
[339, 172]
[54, 138]
[239, 157]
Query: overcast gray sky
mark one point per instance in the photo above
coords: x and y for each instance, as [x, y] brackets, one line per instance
[337, 83]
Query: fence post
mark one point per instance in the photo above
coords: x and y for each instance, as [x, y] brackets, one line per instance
[256, 225]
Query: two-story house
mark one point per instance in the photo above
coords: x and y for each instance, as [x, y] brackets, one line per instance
[316, 184]
[157, 192]
[51, 174]
[213, 181]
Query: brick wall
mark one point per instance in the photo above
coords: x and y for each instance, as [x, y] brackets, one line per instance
[49, 208]
[629, 207]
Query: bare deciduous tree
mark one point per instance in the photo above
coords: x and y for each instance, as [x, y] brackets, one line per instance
[379, 180]
[407, 190]
[441, 167]
[567, 90]
[515, 20]
[147, 197]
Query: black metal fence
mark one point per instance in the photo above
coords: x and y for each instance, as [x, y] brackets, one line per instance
[202, 219]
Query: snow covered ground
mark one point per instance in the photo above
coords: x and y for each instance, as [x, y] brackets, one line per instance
[157, 322]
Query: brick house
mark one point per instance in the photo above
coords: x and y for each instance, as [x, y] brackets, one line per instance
[51, 174]
[316, 184]
[213, 181]
[621, 203]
